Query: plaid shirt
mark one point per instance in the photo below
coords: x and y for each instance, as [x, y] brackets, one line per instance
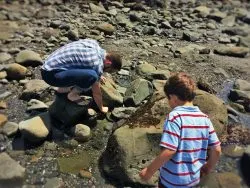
[81, 54]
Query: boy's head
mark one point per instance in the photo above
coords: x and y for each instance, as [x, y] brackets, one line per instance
[112, 62]
[180, 88]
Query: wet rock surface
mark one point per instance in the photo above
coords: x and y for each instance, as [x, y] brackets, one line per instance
[209, 40]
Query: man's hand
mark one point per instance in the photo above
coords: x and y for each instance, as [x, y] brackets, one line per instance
[104, 109]
[145, 175]
[103, 79]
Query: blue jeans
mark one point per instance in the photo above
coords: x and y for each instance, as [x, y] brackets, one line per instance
[83, 78]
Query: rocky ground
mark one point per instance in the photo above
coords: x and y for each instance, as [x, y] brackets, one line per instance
[47, 141]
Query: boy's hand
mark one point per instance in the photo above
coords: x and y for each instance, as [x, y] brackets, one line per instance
[205, 169]
[103, 79]
[145, 175]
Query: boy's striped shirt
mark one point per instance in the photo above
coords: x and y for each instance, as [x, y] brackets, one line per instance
[190, 133]
[81, 54]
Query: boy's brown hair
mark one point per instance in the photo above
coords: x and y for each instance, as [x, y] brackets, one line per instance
[181, 85]
[116, 60]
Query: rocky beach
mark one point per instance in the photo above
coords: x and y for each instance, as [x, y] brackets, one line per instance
[47, 141]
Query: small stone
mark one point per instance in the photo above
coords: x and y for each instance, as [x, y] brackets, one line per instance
[3, 105]
[81, 132]
[106, 28]
[85, 174]
[3, 74]
[3, 119]
[10, 128]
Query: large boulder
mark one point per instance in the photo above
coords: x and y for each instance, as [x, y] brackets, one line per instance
[29, 58]
[37, 128]
[214, 108]
[128, 151]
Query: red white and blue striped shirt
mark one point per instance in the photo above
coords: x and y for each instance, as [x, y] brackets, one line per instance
[81, 54]
[190, 133]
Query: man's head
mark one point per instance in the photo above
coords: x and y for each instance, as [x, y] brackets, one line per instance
[180, 88]
[112, 62]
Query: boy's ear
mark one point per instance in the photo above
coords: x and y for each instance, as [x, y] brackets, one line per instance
[108, 62]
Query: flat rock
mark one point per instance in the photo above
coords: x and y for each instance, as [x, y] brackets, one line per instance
[29, 58]
[123, 112]
[145, 69]
[9, 128]
[242, 85]
[232, 51]
[35, 104]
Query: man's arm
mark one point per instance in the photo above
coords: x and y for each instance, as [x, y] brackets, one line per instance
[97, 95]
[159, 161]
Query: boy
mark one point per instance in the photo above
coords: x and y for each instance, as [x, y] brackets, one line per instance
[80, 63]
[187, 136]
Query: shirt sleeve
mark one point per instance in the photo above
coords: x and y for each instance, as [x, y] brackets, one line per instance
[212, 138]
[171, 135]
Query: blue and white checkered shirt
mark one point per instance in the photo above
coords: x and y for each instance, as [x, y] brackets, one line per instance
[81, 54]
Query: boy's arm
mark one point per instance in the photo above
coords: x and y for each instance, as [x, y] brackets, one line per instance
[213, 157]
[97, 95]
[162, 158]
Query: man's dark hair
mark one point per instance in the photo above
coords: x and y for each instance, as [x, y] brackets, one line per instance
[115, 59]
[181, 85]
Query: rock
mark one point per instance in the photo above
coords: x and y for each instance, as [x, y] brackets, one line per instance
[232, 51]
[224, 179]
[54, 182]
[145, 69]
[85, 174]
[124, 72]
[123, 112]
[29, 58]
[46, 12]
[233, 151]
[228, 21]
[159, 84]
[202, 10]
[96, 9]
[9, 128]
[246, 18]
[74, 163]
[3, 74]
[11, 172]
[3, 105]
[106, 28]
[110, 93]
[16, 71]
[217, 16]
[81, 132]
[242, 85]
[139, 90]
[5, 95]
[211, 26]
[166, 25]
[4, 57]
[235, 31]
[186, 50]
[245, 41]
[34, 89]
[124, 157]
[73, 35]
[224, 40]
[160, 74]
[3, 120]
[35, 104]
[37, 128]
[214, 108]
[236, 94]
[190, 36]
[68, 113]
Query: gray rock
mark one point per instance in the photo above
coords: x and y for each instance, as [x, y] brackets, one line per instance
[235, 31]
[96, 9]
[145, 69]
[242, 85]
[245, 41]
[16, 71]
[224, 40]
[4, 57]
[190, 36]
[35, 104]
[124, 72]
[5, 95]
[123, 112]
[9, 128]
[217, 16]
[166, 25]
[33, 89]
[228, 21]
[46, 12]
[81, 132]
[160, 74]
[37, 128]
[29, 58]
[73, 34]
[232, 51]
[159, 84]
[203, 11]
[139, 90]
[236, 94]
[10, 171]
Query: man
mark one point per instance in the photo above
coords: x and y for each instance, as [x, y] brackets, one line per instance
[79, 66]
